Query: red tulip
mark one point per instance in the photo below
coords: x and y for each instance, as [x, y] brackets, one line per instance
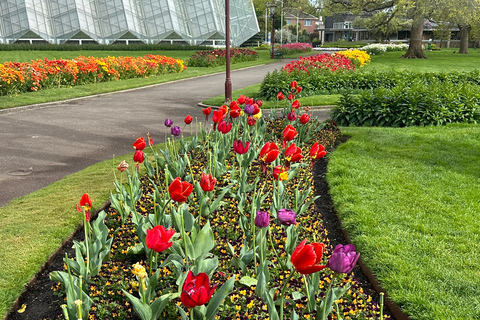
[291, 96]
[299, 89]
[224, 128]
[218, 116]
[317, 151]
[85, 203]
[251, 121]
[180, 190]
[150, 140]
[306, 258]
[293, 84]
[291, 116]
[269, 152]
[259, 103]
[248, 100]
[280, 96]
[280, 173]
[206, 112]
[235, 111]
[304, 118]
[239, 148]
[196, 290]
[224, 109]
[188, 119]
[241, 99]
[289, 133]
[233, 104]
[207, 182]
[256, 109]
[140, 144]
[295, 104]
[138, 157]
[293, 153]
[158, 239]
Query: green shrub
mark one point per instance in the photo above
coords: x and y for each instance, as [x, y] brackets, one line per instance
[323, 80]
[415, 104]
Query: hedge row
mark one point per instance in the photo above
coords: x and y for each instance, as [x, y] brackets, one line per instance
[416, 104]
[320, 81]
[98, 47]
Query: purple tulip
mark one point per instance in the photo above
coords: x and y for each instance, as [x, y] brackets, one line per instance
[343, 258]
[176, 131]
[249, 109]
[168, 122]
[262, 220]
[287, 217]
[291, 116]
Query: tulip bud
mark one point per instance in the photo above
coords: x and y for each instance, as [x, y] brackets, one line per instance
[262, 220]
[287, 217]
[168, 122]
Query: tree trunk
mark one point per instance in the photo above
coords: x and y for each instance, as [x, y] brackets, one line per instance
[415, 50]
[464, 30]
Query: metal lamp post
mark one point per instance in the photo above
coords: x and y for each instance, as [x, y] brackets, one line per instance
[228, 81]
[272, 7]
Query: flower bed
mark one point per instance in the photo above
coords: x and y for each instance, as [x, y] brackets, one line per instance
[380, 48]
[291, 48]
[18, 77]
[222, 226]
[214, 58]
[358, 57]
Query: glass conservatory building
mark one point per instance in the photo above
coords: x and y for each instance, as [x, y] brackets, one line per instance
[192, 22]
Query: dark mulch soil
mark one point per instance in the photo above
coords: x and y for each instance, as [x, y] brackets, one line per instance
[42, 303]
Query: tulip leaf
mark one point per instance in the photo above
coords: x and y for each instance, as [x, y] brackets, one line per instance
[248, 281]
[297, 295]
[294, 315]
[204, 242]
[142, 309]
[218, 297]
[182, 312]
[159, 304]
[326, 307]
[189, 220]
[206, 265]
[149, 167]
[137, 249]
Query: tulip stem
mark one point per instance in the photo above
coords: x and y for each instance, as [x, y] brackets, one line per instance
[324, 309]
[191, 314]
[185, 242]
[85, 228]
[283, 294]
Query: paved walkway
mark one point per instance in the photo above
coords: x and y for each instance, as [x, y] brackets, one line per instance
[42, 144]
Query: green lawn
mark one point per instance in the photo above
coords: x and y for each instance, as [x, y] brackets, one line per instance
[409, 198]
[443, 60]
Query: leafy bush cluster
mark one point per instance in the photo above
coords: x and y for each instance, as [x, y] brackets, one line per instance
[214, 58]
[322, 81]
[415, 104]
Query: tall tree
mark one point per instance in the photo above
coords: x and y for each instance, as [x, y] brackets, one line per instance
[464, 13]
[417, 10]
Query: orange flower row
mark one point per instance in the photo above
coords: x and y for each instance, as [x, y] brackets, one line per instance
[18, 77]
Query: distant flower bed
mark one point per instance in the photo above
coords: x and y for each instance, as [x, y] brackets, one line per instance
[358, 57]
[39, 74]
[380, 48]
[214, 58]
[290, 48]
[320, 61]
